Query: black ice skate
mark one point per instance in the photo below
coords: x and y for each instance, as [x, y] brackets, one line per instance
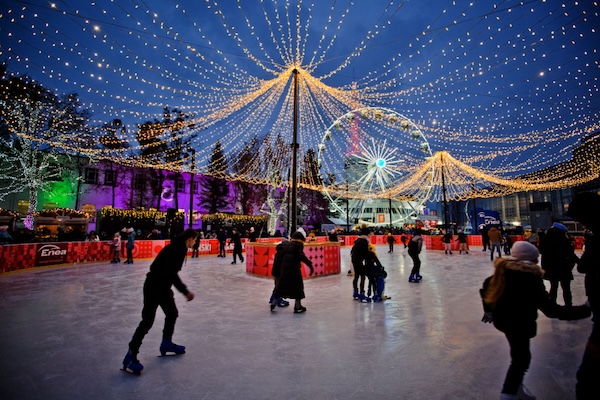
[169, 347]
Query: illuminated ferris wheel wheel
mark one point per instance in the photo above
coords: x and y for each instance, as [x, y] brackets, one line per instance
[363, 156]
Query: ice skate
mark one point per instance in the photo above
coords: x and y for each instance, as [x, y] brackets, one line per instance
[169, 347]
[355, 295]
[299, 309]
[418, 277]
[524, 394]
[363, 298]
[282, 303]
[131, 362]
[412, 278]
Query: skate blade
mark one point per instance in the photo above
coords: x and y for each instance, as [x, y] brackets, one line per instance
[170, 355]
[131, 372]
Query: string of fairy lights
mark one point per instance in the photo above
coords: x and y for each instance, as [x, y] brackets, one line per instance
[501, 92]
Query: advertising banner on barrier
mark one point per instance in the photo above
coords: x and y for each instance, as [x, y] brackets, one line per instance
[51, 253]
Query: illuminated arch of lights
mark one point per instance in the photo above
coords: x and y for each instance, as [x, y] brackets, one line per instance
[502, 93]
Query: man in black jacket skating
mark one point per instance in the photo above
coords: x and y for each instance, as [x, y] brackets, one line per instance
[157, 292]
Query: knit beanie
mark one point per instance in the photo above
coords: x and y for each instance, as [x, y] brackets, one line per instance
[560, 226]
[524, 251]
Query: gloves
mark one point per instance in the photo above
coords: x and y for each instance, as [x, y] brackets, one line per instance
[487, 317]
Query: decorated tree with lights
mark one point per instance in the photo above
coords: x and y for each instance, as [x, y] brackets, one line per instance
[247, 194]
[112, 140]
[273, 168]
[31, 117]
[313, 201]
[215, 189]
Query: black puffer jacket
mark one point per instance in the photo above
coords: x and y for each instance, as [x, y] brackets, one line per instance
[166, 266]
[558, 255]
[515, 311]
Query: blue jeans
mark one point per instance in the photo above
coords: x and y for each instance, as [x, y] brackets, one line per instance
[497, 246]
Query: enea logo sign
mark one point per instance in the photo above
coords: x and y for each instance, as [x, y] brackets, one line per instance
[48, 254]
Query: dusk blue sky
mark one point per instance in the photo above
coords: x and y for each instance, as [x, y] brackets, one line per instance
[504, 85]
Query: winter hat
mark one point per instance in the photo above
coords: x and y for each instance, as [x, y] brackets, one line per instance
[298, 236]
[129, 230]
[251, 229]
[4, 228]
[560, 226]
[524, 251]
[365, 232]
[302, 232]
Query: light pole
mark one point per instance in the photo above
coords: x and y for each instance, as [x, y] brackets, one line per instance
[295, 156]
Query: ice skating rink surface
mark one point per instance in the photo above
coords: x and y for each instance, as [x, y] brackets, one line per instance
[64, 332]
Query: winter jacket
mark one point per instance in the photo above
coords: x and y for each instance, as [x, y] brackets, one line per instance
[166, 266]
[290, 284]
[495, 235]
[415, 245]
[515, 311]
[360, 250]
[589, 264]
[558, 255]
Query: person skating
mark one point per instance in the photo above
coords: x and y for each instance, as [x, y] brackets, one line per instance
[511, 298]
[462, 242]
[447, 240]
[222, 238]
[558, 261]
[358, 256]
[496, 240]
[585, 208]
[276, 273]
[236, 239]
[290, 284]
[415, 244]
[129, 246]
[115, 244]
[158, 293]
[391, 240]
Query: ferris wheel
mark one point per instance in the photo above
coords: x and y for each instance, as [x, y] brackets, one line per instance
[363, 156]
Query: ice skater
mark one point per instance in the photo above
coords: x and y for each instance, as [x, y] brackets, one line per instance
[462, 242]
[130, 245]
[376, 275]
[447, 240]
[511, 298]
[358, 256]
[415, 245]
[391, 240]
[157, 292]
[290, 284]
[115, 244]
[585, 208]
[276, 272]
[236, 239]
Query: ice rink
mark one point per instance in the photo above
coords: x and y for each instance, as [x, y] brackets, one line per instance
[64, 332]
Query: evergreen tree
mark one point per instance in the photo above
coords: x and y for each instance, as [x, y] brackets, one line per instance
[215, 189]
[249, 195]
[313, 200]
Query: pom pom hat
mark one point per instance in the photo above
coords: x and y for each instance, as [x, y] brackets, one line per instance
[524, 251]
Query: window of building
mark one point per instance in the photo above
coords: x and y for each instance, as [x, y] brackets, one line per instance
[91, 175]
[110, 178]
[180, 185]
[196, 187]
[139, 181]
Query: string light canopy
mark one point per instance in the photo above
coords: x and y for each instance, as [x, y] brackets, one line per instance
[500, 90]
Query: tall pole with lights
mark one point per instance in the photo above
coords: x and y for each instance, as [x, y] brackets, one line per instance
[295, 156]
